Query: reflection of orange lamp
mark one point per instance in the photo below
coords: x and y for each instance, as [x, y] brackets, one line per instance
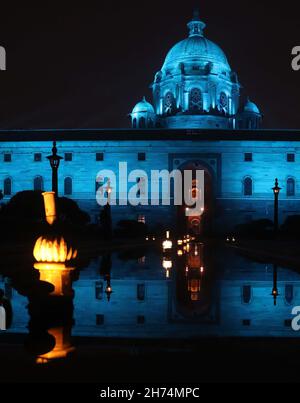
[51, 256]
[194, 287]
[62, 346]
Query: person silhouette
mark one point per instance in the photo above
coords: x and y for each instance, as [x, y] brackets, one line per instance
[5, 312]
[2, 312]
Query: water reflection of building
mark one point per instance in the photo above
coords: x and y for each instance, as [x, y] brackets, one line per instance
[234, 299]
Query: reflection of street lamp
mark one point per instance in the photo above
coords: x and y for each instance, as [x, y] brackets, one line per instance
[276, 190]
[108, 288]
[275, 292]
[54, 160]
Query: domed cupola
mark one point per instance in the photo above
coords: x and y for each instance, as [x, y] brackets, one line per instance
[143, 115]
[250, 117]
[195, 87]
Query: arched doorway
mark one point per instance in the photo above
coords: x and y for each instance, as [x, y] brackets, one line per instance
[200, 223]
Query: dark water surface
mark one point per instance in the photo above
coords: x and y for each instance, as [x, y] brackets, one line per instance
[207, 292]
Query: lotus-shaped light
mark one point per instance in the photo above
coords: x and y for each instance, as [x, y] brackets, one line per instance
[47, 250]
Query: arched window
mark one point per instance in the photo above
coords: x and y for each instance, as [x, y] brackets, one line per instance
[248, 187]
[7, 187]
[195, 100]
[169, 103]
[142, 122]
[38, 183]
[134, 123]
[290, 187]
[223, 101]
[68, 186]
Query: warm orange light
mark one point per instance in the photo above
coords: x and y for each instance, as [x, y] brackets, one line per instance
[51, 256]
[61, 349]
[167, 264]
[53, 251]
[50, 208]
[167, 244]
[179, 252]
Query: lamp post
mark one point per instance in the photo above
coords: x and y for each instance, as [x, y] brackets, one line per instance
[54, 160]
[275, 292]
[276, 190]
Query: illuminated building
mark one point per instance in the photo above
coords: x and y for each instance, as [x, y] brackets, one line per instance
[196, 120]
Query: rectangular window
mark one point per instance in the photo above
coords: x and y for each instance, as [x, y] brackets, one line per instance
[290, 157]
[99, 320]
[140, 319]
[99, 290]
[68, 156]
[248, 157]
[37, 157]
[98, 185]
[140, 292]
[288, 322]
[99, 156]
[141, 156]
[7, 157]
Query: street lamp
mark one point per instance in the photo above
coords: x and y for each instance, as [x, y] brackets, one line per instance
[54, 160]
[276, 190]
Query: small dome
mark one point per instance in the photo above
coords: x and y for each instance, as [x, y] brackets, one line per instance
[143, 106]
[251, 107]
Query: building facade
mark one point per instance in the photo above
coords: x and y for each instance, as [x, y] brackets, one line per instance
[197, 122]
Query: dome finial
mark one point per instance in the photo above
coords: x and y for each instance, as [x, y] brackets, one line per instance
[196, 14]
[196, 26]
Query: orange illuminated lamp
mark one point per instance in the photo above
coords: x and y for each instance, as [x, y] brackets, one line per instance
[53, 255]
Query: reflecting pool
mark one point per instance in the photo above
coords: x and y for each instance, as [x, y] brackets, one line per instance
[191, 291]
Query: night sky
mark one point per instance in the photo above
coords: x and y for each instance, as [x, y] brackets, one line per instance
[72, 67]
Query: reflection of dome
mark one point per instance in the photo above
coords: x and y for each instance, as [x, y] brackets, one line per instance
[251, 107]
[195, 49]
[143, 106]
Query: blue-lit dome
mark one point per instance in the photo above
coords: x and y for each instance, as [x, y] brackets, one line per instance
[143, 107]
[251, 107]
[195, 49]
